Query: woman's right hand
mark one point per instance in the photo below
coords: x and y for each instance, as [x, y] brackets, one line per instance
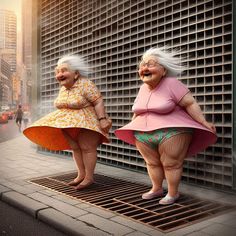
[134, 116]
[105, 124]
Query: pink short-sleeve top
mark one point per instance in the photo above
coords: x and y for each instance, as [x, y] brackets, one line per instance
[158, 108]
[163, 99]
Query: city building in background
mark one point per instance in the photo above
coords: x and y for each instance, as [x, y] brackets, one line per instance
[6, 95]
[26, 59]
[114, 34]
[8, 37]
[15, 49]
[7, 56]
[16, 87]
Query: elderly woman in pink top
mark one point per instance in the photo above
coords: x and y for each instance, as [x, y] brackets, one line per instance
[168, 124]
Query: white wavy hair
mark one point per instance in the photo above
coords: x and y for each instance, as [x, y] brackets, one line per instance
[76, 63]
[167, 58]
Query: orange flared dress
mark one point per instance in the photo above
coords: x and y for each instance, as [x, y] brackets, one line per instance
[75, 110]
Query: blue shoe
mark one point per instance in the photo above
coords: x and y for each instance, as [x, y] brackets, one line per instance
[150, 195]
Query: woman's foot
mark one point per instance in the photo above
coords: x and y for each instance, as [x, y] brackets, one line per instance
[75, 181]
[150, 195]
[168, 200]
[84, 184]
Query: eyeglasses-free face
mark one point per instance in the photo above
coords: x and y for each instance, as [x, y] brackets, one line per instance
[65, 76]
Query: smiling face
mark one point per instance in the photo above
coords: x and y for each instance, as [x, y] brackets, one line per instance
[151, 72]
[65, 76]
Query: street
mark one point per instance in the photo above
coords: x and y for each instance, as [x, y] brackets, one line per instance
[14, 222]
[9, 131]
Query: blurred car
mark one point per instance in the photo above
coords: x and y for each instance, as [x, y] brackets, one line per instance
[10, 114]
[3, 118]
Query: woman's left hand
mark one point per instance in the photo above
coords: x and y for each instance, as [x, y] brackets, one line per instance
[105, 124]
[210, 126]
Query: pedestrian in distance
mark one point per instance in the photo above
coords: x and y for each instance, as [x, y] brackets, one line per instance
[168, 124]
[80, 122]
[19, 116]
[26, 118]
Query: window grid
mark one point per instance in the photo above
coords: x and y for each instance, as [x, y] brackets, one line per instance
[114, 34]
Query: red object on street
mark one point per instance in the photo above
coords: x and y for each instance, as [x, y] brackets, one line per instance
[3, 117]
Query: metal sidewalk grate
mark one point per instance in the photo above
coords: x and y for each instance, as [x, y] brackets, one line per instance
[124, 198]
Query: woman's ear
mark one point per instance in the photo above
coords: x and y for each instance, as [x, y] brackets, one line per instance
[77, 74]
[165, 72]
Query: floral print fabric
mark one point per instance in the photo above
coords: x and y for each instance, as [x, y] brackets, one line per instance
[74, 110]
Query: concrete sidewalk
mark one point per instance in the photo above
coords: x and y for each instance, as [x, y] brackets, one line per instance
[20, 162]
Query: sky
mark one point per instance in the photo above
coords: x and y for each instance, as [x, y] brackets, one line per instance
[13, 5]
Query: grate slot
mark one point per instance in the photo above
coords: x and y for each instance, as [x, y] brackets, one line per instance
[124, 198]
[145, 216]
[182, 215]
[135, 208]
[187, 220]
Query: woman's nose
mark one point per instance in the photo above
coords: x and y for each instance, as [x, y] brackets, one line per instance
[59, 74]
[145, 68]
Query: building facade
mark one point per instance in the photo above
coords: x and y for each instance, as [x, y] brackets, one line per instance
[113, 35]
[7, 54]
[6, 95]
[27, 53]
[17, 89]
[8, 37]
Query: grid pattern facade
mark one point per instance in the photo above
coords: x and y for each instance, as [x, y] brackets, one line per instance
[27, 30]
[113, 35]
[5, 84]
[8, 37]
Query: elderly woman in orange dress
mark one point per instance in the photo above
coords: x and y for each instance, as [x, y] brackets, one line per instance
[80, 122]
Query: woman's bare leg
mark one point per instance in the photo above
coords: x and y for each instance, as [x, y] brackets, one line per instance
[88, 142]
[154, 166]
[77, 156]
[173, 152]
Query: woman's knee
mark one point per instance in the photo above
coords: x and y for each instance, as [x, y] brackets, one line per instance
[169, 163]
[88, 141]
[153, 162]
[88, 145]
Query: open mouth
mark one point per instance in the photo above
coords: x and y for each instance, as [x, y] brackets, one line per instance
[61, 79]
[147, 74]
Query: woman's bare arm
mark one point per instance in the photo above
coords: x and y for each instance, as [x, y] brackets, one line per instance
[194, 110]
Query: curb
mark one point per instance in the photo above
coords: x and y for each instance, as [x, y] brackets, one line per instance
[48, 215]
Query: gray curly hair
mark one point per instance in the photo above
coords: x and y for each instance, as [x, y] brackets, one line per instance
[167, 58]
[76, 63]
